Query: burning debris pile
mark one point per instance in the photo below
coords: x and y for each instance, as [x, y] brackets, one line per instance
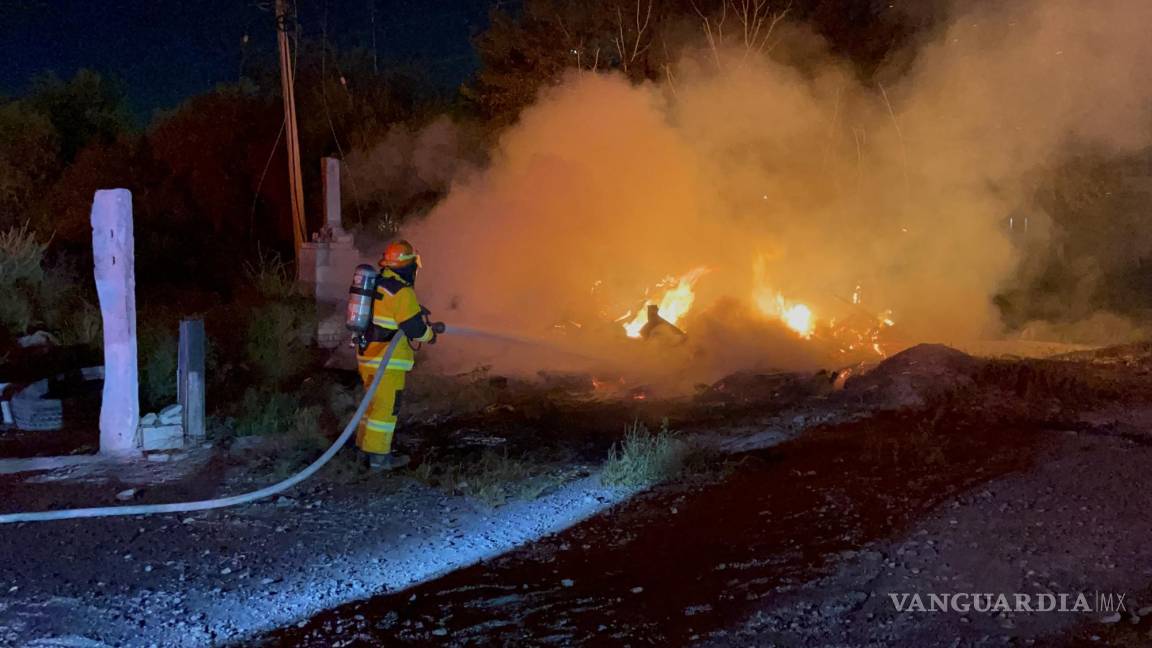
[666, 308]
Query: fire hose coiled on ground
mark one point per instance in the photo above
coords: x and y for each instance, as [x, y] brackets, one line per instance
[234, 500]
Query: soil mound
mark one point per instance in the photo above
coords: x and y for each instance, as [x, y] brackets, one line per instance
[914, 376]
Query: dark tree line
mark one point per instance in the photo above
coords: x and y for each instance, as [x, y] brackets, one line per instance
[522, 51]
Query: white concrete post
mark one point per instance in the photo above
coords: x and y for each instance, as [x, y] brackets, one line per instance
[113, 254]
[330, 170]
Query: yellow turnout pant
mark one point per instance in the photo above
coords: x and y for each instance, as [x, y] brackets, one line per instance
[379, 424]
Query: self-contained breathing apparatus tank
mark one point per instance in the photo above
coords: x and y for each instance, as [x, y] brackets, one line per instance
[361, 294]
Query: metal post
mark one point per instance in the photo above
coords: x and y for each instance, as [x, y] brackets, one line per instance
[190, 382]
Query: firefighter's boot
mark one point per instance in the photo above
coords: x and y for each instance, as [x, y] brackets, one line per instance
[386, 462]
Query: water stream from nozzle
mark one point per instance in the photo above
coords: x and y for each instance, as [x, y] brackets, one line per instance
[468, 331]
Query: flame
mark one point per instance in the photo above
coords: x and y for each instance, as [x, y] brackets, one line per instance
[674, 305]
[799, 318]
[795, 315]
[859, 331]
[841, 378]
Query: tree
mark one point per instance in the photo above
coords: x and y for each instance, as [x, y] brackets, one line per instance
[744, 26]
[86, 109]
[524, 51]
[520, 54]
[29, 150]
[215, 148]
[64, 208]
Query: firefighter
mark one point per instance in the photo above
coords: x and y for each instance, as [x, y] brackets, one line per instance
[395, 308]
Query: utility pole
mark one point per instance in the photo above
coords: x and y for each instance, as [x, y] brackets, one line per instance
[372, 19]
[287, 86]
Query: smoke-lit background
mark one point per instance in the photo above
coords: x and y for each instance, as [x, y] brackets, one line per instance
[951, 192]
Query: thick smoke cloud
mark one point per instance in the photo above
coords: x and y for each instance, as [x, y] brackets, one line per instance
[897, 192]
[406, 164]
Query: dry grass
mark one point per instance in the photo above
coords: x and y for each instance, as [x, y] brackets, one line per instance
[299, 440]
[303, 440]
[271, 276]
[20, 256]
[264, 412]
[429, 394]
[61, 306]
[494, 478]
[21, 278]
[84, 325]
[276, 339]
[643, 458]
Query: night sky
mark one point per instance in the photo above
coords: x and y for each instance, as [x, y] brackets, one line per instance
[167, 50]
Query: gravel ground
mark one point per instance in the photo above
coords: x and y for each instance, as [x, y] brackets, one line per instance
[212, 577]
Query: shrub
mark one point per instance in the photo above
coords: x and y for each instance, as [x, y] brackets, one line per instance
[276, 340]
[28, 299]
[306, 424]
[265, 412]
[302, 441]
[295, 439]
[21, 277]
[21, 256]
[342, 402]
[643, 458]
[84, 325]
[15, 310]
[157, 351]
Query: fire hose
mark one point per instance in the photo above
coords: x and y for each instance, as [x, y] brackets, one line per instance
[234, 500]
[267, 491]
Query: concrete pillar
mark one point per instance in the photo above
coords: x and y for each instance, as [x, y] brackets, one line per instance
[330, 171]
[190, 378]
[113, 252]
[335, 257]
